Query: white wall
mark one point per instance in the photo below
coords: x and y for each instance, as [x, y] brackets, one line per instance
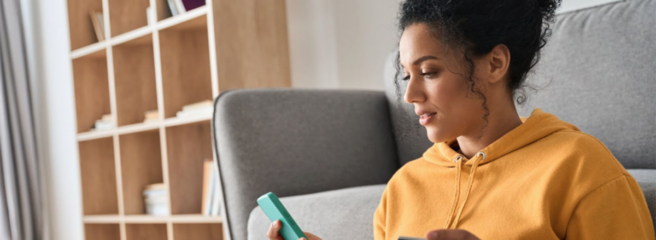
[333, 44]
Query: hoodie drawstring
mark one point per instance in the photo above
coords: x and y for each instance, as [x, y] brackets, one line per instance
[459, 162]
[470, 182]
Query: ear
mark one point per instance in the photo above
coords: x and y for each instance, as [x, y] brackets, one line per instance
[499, 60]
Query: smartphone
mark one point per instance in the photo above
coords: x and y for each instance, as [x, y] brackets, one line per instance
[273, 208]
[410, 238]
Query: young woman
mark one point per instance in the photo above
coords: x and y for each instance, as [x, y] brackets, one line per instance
[490, 173]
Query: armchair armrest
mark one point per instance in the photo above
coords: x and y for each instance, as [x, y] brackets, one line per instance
[293, 142]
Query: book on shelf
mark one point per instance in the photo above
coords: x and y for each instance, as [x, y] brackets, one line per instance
[202, 108]
[198, 105]
[210, 201]
[192, 4]
[104, 123]
[207, 180]
[151, 116]
[179, 6]
[98, 24]
[172, 7]
[216, 200]
[156, 199]
[182, 6]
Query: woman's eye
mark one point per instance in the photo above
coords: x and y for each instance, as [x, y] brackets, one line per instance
[429, 74]
[406, 77]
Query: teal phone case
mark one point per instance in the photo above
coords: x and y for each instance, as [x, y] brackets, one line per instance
[273, 208]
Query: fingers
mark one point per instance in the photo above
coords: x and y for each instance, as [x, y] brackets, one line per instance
[273, 233]
[450, 234]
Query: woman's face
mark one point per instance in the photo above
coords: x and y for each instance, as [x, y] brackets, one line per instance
[437, 87]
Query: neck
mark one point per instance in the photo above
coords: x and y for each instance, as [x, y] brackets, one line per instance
[500, 121]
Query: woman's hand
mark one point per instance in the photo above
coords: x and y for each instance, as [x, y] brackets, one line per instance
[450, 234]
[273, 233]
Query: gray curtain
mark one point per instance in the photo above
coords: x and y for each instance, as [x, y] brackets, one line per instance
[22, 204]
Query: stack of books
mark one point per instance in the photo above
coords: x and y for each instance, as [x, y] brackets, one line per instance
[104, 123]
[156, 199]
[151, 116]
[203, 108]
[211, 199]
[182, 6]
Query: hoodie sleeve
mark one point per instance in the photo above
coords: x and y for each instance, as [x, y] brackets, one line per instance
[616, 210]
[380, 216]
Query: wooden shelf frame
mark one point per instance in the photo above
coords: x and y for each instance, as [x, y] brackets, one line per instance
[183, 218]
[132, 71]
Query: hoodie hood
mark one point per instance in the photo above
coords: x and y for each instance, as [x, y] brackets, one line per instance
[538, 125]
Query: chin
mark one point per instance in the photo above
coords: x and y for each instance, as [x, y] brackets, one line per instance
[435, 135]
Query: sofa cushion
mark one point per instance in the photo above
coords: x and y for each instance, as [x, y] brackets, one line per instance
[646, 178]
[339, 214]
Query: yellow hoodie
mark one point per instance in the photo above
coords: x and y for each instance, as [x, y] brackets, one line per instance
[543, 180]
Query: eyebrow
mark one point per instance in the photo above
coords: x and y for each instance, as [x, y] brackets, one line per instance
[424, 58]
[421, 59]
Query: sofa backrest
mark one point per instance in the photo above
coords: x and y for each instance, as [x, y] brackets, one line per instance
[598, 72]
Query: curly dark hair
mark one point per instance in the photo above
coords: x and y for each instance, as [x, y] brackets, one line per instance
[474, 27]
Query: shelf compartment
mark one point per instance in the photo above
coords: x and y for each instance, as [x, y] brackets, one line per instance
[134, 77]
[102, 231]
[98, 176]
[127, 15]
[91, 90]
[141, 165]
[146, 232]
[185, 64]
[208, 231]
[188, 146]
[82, 32]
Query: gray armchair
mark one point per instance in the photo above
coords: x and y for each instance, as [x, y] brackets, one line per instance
[329, 153]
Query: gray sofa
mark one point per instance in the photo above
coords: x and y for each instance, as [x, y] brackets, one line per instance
[329, 153]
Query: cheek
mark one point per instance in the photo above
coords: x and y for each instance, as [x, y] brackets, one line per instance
[447, 92]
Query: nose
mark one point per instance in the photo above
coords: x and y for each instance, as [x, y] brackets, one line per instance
[414, 92]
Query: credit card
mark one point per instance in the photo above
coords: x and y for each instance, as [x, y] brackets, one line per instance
[410, 238]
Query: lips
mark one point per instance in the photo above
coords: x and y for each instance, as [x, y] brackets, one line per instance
[426, 118]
